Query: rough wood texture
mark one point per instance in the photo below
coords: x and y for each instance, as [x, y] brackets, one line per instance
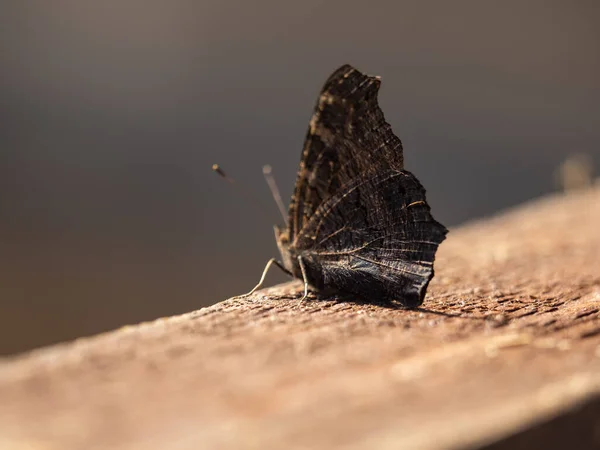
[509, 337]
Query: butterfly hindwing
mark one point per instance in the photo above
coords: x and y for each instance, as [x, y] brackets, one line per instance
[376, 238]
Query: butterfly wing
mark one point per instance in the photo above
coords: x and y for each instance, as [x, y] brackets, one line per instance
[347, 137]
[376, 238]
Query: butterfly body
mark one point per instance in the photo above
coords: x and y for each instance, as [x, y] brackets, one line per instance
[358, 221]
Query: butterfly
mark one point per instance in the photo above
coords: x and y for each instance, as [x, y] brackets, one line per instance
[358, 222]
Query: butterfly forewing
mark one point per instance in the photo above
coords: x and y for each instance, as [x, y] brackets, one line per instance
[347, 136]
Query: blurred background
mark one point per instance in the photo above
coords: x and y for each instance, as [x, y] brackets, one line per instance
[112, 113]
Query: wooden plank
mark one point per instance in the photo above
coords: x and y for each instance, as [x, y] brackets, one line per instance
[508, 339]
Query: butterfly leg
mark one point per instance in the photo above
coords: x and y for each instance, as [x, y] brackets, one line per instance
[264, 275]
[303, 270]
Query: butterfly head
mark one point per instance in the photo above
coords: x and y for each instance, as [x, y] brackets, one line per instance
[288, 256]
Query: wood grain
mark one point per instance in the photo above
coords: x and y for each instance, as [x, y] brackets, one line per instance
[507, 339]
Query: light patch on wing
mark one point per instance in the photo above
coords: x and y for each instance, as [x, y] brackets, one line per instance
[348, 125]
[327, 99]
[316, 128]
[346, 75]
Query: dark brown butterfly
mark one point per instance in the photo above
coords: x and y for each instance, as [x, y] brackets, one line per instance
[358, 222]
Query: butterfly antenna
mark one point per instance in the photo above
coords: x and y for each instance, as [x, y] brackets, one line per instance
[268, 173]
[244, 192]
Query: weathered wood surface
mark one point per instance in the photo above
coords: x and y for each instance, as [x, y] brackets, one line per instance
[509, 336]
